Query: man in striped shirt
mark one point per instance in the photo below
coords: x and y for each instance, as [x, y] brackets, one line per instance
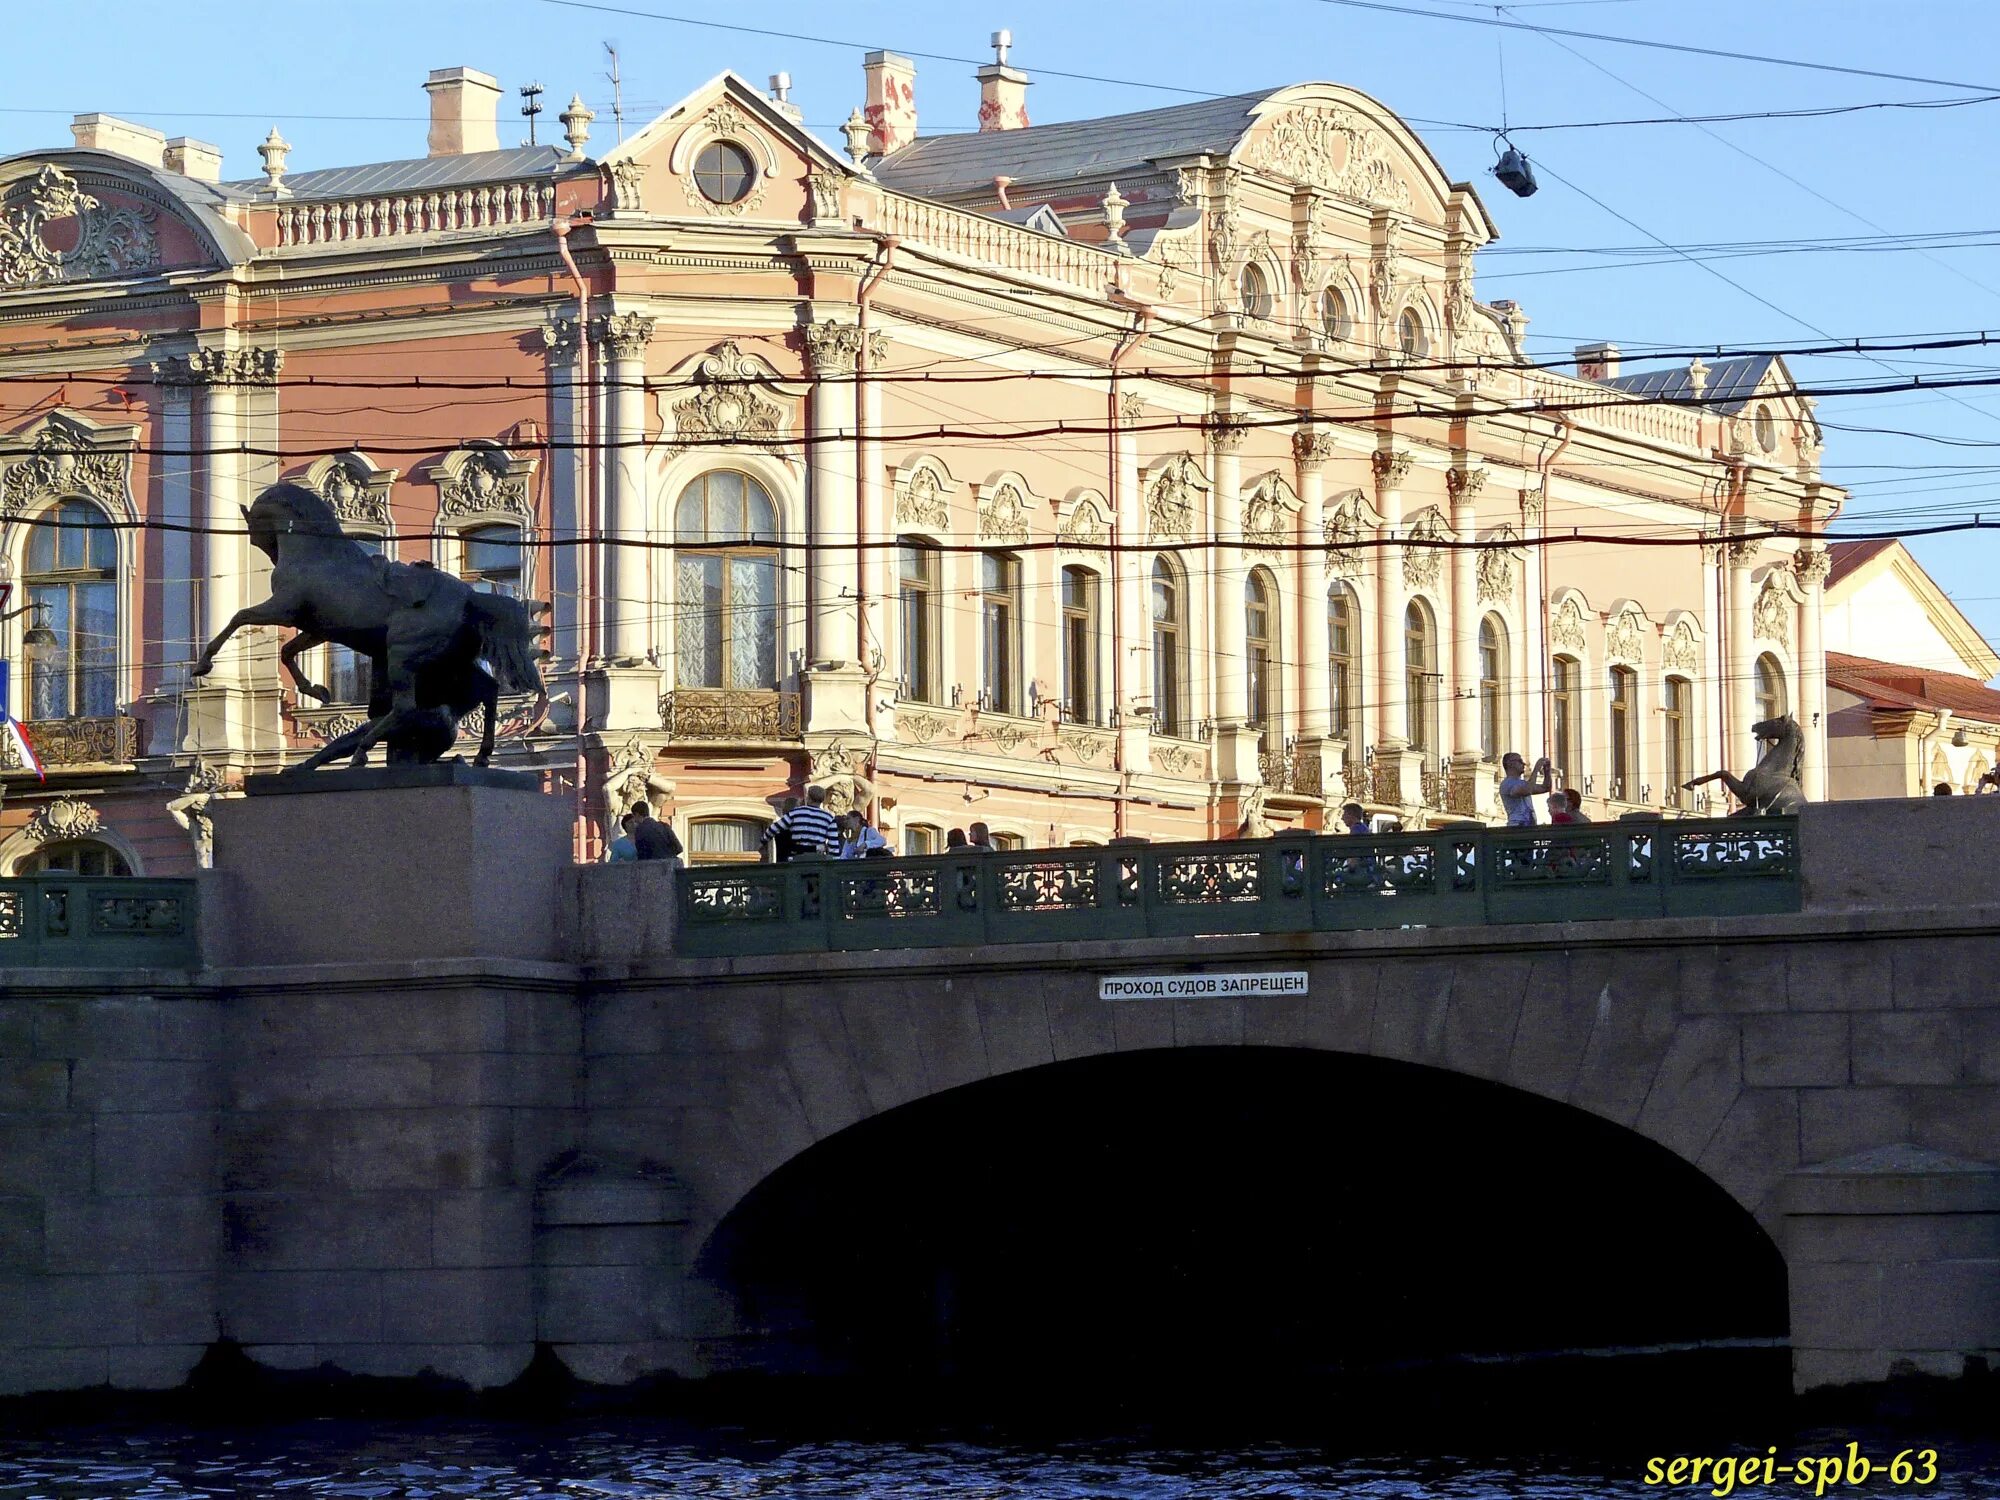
[810, 826]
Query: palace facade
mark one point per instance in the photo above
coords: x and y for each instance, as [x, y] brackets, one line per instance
[1150, 475]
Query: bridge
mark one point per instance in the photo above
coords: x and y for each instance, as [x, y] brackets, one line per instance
[1469, 1089]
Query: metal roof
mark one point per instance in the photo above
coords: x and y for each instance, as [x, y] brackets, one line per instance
[1074, 149]
[421, 173]
[1729, 386]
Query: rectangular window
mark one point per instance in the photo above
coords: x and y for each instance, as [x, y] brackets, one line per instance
[723, 841]
[1679, 744]
[1341, 700]
[1080, 630]
[999, 632]
[918, 601]
[1562, 712]
[347, 673]
[1624, 728]
[921, 838]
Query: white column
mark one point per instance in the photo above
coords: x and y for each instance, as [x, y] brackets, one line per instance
[177, 582]
[1311, 447]
[1535, 666]
[1463, 629]
[1742, 687]
[1810, 565]
[1232, 681]
[1132, 621]
[1715, 699]
[1385, 686]
[566, 470]
[625, 596]
[832, 577]
[221, 593]
[878, 559]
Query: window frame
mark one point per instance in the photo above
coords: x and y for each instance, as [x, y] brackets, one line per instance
[1082, 643]
[1772, 689]
[1493, 704]
[1420, 676]
[1622, 708]
[1262, 303]
[753, 855]
[1565, 698]
[36, 861]
[1170, 684]
[1344, 667]
[698, 172]
[1336, 320]
[919, 622]
[1677, 733]
[727, 553]
[1000, 633]
[1413, 336]
[41, 583]
[1263, 670]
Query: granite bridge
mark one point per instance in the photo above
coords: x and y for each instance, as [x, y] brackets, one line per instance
[1480, 1088]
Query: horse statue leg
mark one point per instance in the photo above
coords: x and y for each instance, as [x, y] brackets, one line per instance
[489, 699]
[1737, 788]
[276, 610]
[288, 655]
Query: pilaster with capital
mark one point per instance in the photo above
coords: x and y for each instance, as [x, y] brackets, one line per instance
[1132, 633]
[1810, 566]
[1741, 687]
[833, 350]
[1311, 447]
[1232, 684]
[1464, 483]
[877, 562]
[1385, 686]
[562, 346]
[624, 570]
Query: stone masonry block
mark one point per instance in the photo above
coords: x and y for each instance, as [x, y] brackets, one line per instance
[463, 1306]
[303, 1231]
[1907, 1047]
[122, 1026]
[1485, 1015]
[68, 1310]
[116, 1085]
[485, 1227]
[1697, 1082]
[23, 1371]
[1837, 975]
[21, 1240]
[1945, 972]
[1014, 1021]
[335, 1081]
[34, 1084]
[1839, 1122]
[45, 1152]
[302, 1307]
[1810, 1050]
[1733, 978]
[151, 1367]
[153, 1153]
[138, 1234]
[1412, 1003]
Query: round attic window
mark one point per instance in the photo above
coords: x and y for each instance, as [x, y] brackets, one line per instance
[723, 172]
[1767, 430]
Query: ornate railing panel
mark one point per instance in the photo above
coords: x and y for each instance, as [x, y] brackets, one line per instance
[1451, 877]
[1295, 769]
[73, 921]
[729, 714]
[67, 743]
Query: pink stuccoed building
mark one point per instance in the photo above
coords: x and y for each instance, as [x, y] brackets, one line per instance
[1085, 479]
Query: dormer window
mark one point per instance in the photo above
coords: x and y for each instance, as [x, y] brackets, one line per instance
[723, 172]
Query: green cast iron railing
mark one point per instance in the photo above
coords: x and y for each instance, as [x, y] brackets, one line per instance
[1452, 877]
[97, 922]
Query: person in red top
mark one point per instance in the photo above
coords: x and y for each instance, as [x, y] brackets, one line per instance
[1566, 806]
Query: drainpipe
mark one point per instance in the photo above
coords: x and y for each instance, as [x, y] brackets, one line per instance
[586, 572]
[864, 484]
[1128, 345]
[1542, 466]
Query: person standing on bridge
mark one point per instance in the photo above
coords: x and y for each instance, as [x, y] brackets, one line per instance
[810, 827]
[1518, 792]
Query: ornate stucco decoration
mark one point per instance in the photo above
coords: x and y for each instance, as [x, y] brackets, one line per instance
[107, 241]
[1745, 554]
[1625, 638]
[1772, 614]
[1465, 483]
[354, 487]
[1681, 652]
[1003, 514]
[1458, 302]
[1131, 406]
[1424, 565]
[560, 337]
[923, 496]
[1176, 258]
[483, 482]
[64, 818]
[221, 367]
[1566, 629]
[1173, 498]
[1313, 446]
[1267, 514]
[1087, 525]
[823, 194]
[62, 456]
[833, 347]
[1495, 569]
[1308, 255]
[1385, 271]
[1810, 566]
[726, 406]
[726, 122]
[1331, 148]
[1226, 430]
[625, 180]
[1392, 467]
[1347, 520]
[625, 334]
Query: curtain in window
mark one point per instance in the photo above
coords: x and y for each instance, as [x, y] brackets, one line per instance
[698, 633]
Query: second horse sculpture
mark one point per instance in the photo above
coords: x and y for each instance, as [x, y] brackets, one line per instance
[1772, 785]
[429, 636]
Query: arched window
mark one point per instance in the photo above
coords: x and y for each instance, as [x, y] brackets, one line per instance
[725, 841]
[1420, 676]
[1410, 336]
[1079, 645]
[1260, 600]
[1624, 734]
[1564, 682]
[1343, 659]
[75, 857]
[1677, 738]
[493, 559]
[1253, 289]
[1008, 840]
[1334, 320]
[1771, 700]
[1169, 646]
[918, 601]
[73, 577]
[726, 583]
[1492, 687]
[1000, 632]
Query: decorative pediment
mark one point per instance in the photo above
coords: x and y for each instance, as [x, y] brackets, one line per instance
[1084, 522]
[1268, 510]
[52, 231]
[484, 482]
[60, 456]
[1004, 510]
[60, 820]
[1566, 630]
[1625, 636]
[923, 495]
[1423, 565]
[1348, 519]
[354, 487]
[1331, 147]
[1681, 652]
[1173, 499]
[732, 401]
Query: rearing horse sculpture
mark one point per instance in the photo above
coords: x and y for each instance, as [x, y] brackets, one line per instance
[1772, 786]
[426, 632]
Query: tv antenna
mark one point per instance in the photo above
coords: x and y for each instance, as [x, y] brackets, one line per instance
[532, 92]
[617, 92]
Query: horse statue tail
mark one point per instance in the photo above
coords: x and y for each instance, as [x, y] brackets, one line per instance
[507, 641]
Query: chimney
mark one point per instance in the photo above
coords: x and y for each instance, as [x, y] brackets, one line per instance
[192, 158]
[465, 111]
[1003, 91]
[781, 98]
[1597, 361]
[891, 109]
[109, 133]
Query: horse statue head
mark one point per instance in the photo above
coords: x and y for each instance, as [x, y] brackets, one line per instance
[1787, 754]
[287, 509]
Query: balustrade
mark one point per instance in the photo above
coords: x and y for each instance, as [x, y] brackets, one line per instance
[994, 242]
[110, 922]
[400, 215]
[739, 715]
[69, 744]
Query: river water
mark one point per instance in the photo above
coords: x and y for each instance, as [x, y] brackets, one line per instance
[634, 1457]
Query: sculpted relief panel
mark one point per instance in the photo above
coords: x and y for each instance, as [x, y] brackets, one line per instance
[56, 232]
[1331, 147]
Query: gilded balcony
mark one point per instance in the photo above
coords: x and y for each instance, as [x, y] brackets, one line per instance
[1295, 770]
[111, 742]
[730, 715]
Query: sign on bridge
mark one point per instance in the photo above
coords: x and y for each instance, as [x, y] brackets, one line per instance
[1198, 986]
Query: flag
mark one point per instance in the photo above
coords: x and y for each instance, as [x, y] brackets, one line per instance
[15, 730]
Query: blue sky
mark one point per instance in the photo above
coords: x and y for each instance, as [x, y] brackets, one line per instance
[342, 81]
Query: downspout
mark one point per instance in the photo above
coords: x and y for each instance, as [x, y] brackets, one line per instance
[1128, 345]
[864, 483]
[587, 603]
[1542, 467]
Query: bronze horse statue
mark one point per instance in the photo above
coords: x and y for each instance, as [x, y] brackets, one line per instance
[1772, 785]
[429, 636]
